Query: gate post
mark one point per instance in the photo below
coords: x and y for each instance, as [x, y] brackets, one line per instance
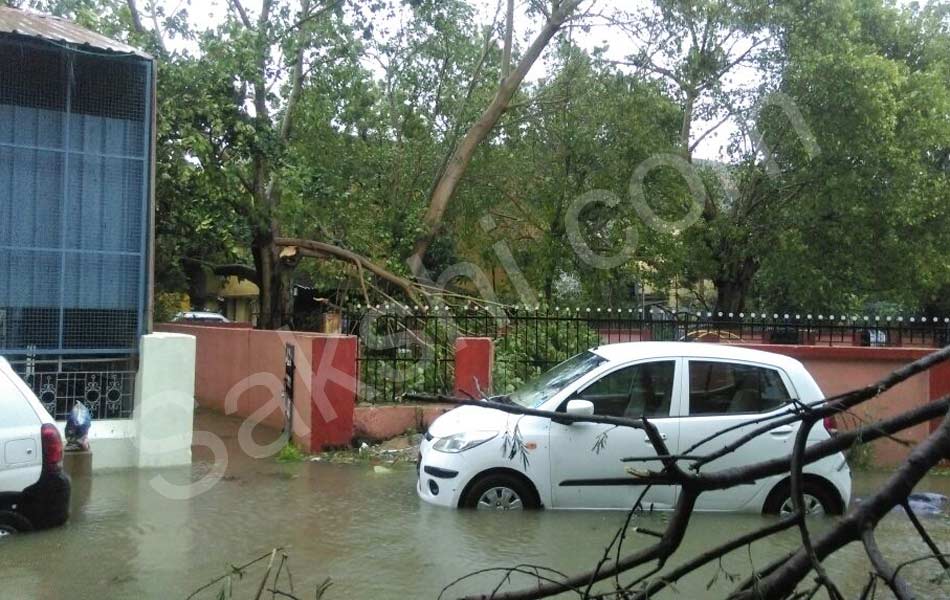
[333, 390]
[165, 400]
[474, 358]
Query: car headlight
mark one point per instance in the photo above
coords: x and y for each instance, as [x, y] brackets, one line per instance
[460, 442]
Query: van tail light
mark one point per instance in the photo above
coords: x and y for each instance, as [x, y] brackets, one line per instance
[52, 448]
[831, 425]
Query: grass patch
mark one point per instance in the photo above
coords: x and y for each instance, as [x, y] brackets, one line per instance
[291, 454]
[860, 457]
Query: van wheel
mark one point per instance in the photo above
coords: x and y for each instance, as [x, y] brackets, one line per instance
[11, 523]
[819, 500]
[500, 491]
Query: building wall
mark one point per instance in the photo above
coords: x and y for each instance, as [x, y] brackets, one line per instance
[240, 371]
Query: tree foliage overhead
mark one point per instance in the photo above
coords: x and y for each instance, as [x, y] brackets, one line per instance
[396, 140]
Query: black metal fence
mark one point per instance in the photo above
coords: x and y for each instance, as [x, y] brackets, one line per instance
[105, 386]
[405, 351]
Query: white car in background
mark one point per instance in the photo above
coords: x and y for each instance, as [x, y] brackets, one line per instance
[34, 491]
[200, 316]
[472, 457]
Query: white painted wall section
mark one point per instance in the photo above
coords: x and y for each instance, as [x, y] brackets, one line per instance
[165, 400]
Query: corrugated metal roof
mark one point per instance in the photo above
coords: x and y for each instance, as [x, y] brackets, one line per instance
[55, 29]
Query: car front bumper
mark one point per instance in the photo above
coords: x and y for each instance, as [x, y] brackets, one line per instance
[441, 476]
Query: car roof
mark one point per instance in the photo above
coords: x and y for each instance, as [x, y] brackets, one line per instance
[639, 350]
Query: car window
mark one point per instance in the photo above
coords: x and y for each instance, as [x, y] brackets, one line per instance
[722, 388]
[639, 390]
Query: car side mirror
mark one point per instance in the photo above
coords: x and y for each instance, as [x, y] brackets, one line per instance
[580, 408]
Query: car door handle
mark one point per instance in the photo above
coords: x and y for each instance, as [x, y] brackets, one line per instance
[647, 438]
[781, 432]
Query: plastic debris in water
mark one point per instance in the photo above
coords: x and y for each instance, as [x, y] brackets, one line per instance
[78, 422]
[927, 503]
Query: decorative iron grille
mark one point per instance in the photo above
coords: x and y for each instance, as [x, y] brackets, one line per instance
[107, 389]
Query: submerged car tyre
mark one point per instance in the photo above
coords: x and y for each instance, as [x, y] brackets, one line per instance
[820, 499]
[11, 523]
[500, 491]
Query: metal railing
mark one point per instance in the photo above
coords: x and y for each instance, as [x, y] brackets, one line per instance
[403, 350]
[105, 386]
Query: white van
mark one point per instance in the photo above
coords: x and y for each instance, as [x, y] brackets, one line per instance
[476, 457]
[34, 491]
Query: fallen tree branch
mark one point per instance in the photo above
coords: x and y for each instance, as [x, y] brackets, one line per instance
[323, 250]
[884, 570]
[863, 516]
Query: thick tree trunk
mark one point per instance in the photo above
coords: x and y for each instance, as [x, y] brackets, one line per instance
[733, 285]
[275, 298]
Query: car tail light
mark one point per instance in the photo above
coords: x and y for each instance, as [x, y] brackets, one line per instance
[52, 447]
[831, 425]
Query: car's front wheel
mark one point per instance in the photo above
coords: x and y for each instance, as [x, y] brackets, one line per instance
[500, 491]
[820, 499]
[12, 523]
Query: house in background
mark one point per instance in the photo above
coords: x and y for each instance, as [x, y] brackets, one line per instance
[238, 300]
[76, 198]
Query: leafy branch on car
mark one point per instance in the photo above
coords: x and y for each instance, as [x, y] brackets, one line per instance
[782, 577]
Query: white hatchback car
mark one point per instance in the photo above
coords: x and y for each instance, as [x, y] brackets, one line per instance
[474, 457]
[34, 491]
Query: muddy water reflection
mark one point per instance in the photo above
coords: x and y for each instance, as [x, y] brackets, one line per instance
[365, 530]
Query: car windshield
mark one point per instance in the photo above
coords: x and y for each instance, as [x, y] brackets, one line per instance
[540, 389]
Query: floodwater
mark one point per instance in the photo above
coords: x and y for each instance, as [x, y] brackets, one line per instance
[366, 531]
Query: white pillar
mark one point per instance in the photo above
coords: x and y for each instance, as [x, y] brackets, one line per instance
[165, 400]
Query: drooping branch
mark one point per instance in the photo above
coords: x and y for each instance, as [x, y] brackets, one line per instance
[707, 557]
[865, 515]
[883, 568]
[323, 250]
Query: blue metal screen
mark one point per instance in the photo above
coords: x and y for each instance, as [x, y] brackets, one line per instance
[74, 199]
